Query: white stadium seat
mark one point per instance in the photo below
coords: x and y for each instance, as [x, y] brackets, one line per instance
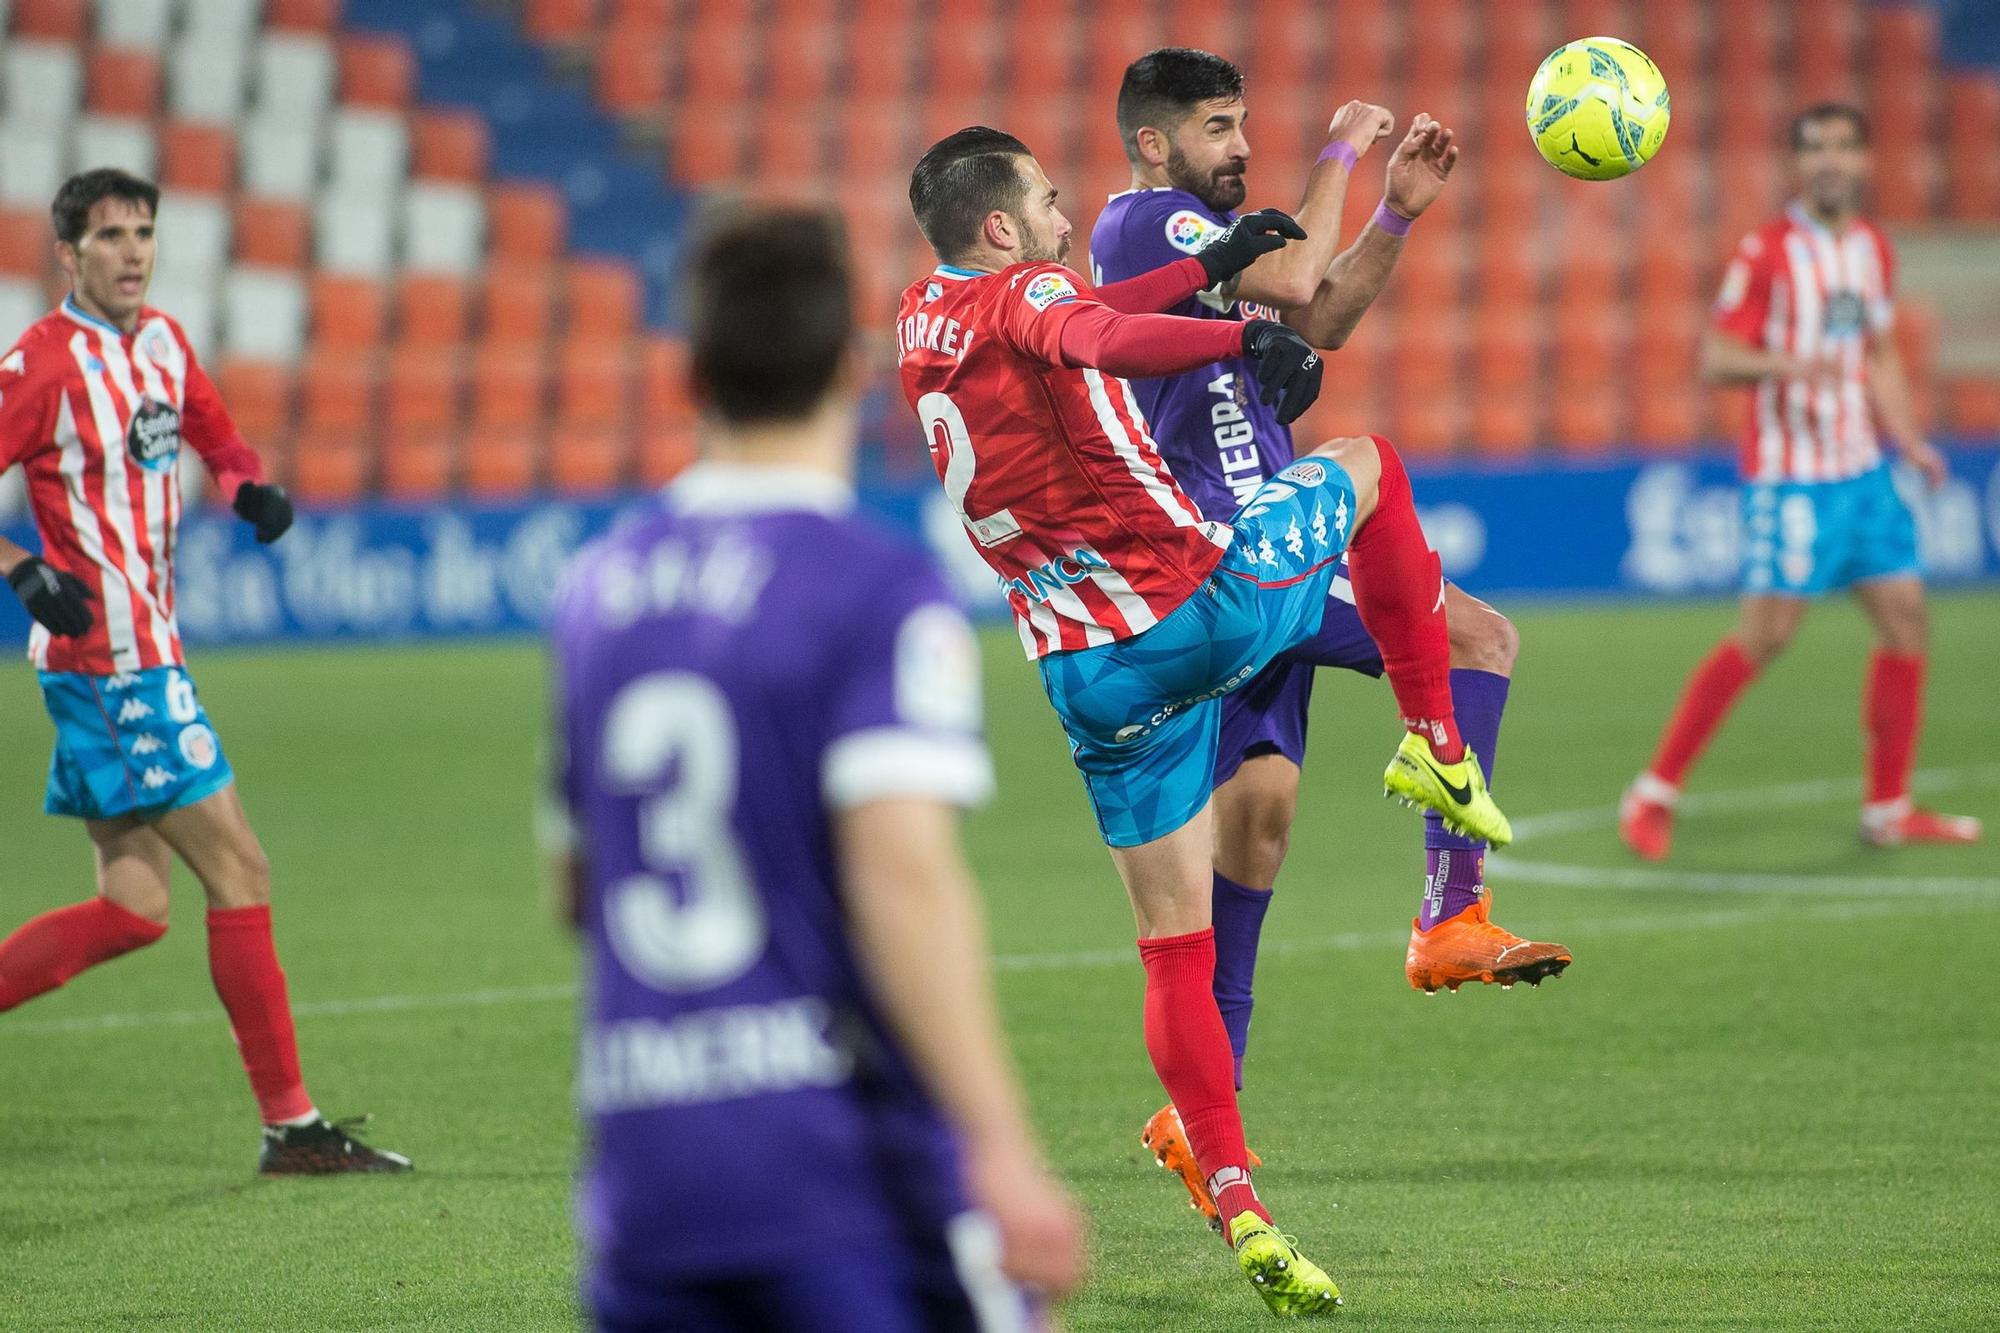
[193, 235]
[278, 157]
[444, 228]
[193, 304]
[43, 82]
[368, 152]
[295, 73]
[115, 141]
[205, 78]
[140, 23]
[354, 234]
[223, 18]
[33, 163]
[264, 313]
[22, 302]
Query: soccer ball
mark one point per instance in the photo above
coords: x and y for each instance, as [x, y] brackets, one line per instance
[1597, 109]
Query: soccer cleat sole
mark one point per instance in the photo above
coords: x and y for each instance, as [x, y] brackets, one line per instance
[1534, 973]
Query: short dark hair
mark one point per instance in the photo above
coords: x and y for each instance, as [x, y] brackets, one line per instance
[770, 312]
[1820, 111]
[959, 180]
[85, 190]
[1164, 85]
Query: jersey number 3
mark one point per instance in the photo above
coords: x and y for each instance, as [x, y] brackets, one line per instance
[944, 427]
[714, 929]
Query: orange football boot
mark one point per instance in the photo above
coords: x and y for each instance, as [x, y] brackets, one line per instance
[1916, 825]
[1469, 947]
[1166, 1138]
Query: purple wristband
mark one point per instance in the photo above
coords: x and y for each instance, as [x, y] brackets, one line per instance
[1340, 151]
[1389, 220]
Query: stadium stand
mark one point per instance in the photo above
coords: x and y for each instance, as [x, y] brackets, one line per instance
[427, 248]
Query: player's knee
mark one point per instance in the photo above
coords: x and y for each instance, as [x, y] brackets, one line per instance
[1765, 643]
[1907, 631]
[1484, 640]
[149, 907]
[1251, 848]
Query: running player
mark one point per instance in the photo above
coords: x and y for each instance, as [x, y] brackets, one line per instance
[1805, 318]
[1182, 118]
[95, 400]
[1140, 613]
[795, 1085]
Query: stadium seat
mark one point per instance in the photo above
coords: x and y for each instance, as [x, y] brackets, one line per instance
[348, 312]
[663, 381]
[418, 463]
[432, 310]
[330, 465]
[207, 78]
[368, 152]
[707, 150]
[263, 313]
[1972, 166]
[560, 21]
[122, 81]
[354, 234]
[1668, 417]
[1505, 423]
[443, 227]
[878, 58]
[192, 304]
[448, 145]
[717, 56]
[874, 140]
[53, 20]
[259, 395]
[1587, 417]
[121, 141]
[799, 65]
[586, 459]
[315, 16]
[510, 384]
[137, 23]
[422, 389]
[273, 233]
[194, 234]
[1205, 27]
[1972, 406]
[295, 76]
[593, 383]
[41, 82]
[1433, 423]
[601, 299]
[21, 304]
[376, 71]
[279, 156]
[33, 163]
[517, 304]
[338, 388]
[501, 461]
[214, 21]
[789, 143]
[197, 157]
[25, 238]
[632, 71]
[664, 451]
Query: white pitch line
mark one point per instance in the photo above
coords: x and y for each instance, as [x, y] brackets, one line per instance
[1078, 960]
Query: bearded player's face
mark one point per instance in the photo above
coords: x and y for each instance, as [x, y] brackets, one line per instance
[1208, 153]
[1044, 230]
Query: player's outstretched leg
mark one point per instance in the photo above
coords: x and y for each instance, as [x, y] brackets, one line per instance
[48, 950]
[1399, 591]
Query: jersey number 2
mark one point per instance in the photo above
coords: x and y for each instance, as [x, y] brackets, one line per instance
[714, 930]
[944, 427]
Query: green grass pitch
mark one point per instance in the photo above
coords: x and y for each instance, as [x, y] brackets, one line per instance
[1766, 1096]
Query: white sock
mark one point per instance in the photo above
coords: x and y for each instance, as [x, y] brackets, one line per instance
[311, 1117]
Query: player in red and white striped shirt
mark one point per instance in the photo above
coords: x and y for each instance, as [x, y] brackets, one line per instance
[95, 400]
[1805, 319]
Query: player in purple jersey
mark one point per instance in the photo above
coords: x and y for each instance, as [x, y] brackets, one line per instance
[799, 1112]
[1181, 115]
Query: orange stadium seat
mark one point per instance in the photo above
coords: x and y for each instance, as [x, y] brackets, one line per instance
[1041, 48]
[1435, 423]
[422, 389]
[790, 143]
[337, 388]
[376, 71]
[330, 465]
[585, 459]
[561, 21]
[510, 385]
[875, 140]
[122, 81]
[448, 145]
[501, 461]
[1217, 28]
[594, 382]
[708, 150]
[1972, 405]
[1672, 36]
[25, 241]
[348, 311]
[1823, 53]
[717, 55]
[200, 158]
[657, 15]
[1505, 423]
[962, 59]
[799, 63]
[632, 76]
[663, 381]
[259, 395]
[1901, 40]
[431, 309]
[878, 57]
[273, 232]
[1586, 418]
[1972, 167]
[1117, 40]
[1668, 417]
[527, 222]
[517, 303]
[51, 20]
[417, 463]
[601, 299]
[301, 15]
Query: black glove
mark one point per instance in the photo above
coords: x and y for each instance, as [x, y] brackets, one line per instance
[268, 507]
[53, 596]
[1251, 235]
[1288, 369]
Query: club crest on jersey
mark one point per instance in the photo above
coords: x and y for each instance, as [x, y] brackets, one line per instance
[1189, 231]
[1046, 289]
[154, 437]
[157, 345]
[198, 747]
[1306, 472]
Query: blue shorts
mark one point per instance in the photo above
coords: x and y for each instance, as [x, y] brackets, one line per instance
[137, 743]
[1144, 715]
[1268, 716]
[1803, 538]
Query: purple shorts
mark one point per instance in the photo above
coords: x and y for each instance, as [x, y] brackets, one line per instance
[1268, 715]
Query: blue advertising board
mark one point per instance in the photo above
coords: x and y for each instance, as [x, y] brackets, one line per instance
[1628, 527]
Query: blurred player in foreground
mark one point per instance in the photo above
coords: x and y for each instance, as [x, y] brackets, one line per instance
[1182, 118]
[95, 400]
[800, 1112]
[1142, 614]
[1805, 318]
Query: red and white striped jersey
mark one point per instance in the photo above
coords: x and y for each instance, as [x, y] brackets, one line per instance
[96, 418]
[1061, 487]
[1793, 286]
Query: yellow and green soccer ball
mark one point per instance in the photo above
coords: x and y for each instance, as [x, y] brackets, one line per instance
[1597, 109]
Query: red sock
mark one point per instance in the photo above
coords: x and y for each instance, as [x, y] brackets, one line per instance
[1706, 700]
[55, 946]
[1399, 591]
[1894, 710]
[244, 965]
[1190, 1050]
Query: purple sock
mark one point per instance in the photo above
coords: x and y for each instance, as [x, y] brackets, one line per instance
[1454, 873]
[1239, 920]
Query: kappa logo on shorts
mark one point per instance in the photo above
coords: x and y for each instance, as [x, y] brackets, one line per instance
[1305, 472]
[198, 747]
[1045, 289]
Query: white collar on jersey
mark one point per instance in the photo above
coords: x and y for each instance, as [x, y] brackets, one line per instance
[82, 316]
[1140, 189]
[958, 274]
[715, 487]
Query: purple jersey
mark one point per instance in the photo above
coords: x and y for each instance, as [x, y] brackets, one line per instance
[1219, 441]
[734, 669]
